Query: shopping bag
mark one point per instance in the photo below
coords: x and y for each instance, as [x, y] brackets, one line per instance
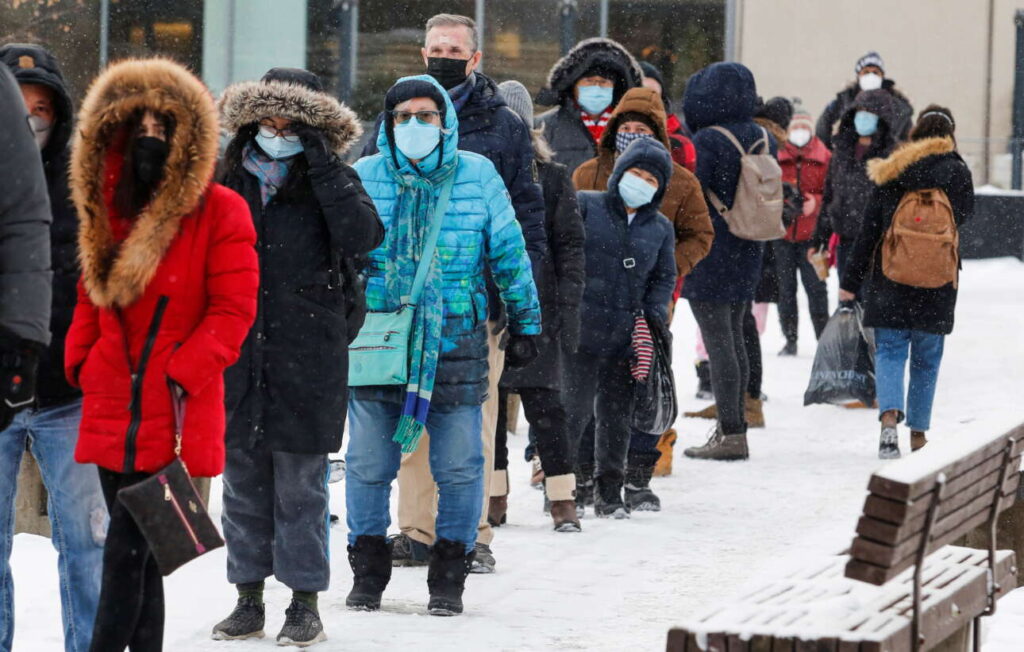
[844, 364]
[654, 400]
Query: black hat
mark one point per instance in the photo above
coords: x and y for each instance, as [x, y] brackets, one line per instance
[778, 109]
[295, 76]
[406, 90]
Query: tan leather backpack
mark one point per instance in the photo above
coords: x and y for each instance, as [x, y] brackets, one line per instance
[922, 246]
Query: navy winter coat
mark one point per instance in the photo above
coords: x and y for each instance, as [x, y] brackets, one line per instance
[607, 311]
[724, 95]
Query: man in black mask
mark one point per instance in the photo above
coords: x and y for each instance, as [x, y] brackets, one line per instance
[451, 53]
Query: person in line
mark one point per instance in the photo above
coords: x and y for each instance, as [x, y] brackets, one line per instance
[539, 384]
[287, 395]
[682, 150]
[641, 115]
[630, 272]
[870, 71]
[721, 287]
[910, 321]
[804, 160]
[584, 86]
[451, 53]
[865, 133]
[76, 508]
[418, 165]
[168, 293]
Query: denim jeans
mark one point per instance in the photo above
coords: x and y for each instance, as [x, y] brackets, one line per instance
[456, 462]
[77, 512]
[925, 349]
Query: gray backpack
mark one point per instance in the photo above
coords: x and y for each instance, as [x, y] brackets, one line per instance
[756, 212]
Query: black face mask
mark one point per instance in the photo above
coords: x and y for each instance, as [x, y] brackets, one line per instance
[448, 72]
[148, 157]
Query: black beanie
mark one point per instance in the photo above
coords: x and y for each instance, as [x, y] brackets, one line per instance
[294, 76]
[406, 90]
[778, 109]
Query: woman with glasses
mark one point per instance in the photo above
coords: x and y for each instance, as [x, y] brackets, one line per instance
[286, 397]
[418, 180]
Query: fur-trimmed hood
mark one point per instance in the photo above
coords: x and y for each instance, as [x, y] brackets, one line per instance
[882, 171]
[118, 275]
[248, 102]
[584, 56]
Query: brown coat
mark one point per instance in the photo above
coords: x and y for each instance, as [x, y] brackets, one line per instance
[683, 203]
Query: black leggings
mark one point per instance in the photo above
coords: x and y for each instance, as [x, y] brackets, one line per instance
[131, 606]
[544, 410]
[721, 326]
[791, 259]
[752, 344]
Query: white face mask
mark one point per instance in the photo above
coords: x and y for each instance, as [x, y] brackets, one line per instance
[41, 130]
[800, 137]
[870, 81]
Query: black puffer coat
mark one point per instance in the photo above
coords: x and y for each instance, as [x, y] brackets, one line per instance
[903, 112]
[561, 280]
[289, 390]
[928, 163]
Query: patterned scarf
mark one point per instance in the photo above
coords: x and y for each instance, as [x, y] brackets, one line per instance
[404, 242]
[271, 173]
[596, 129]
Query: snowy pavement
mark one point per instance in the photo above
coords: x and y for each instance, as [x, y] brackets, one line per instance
[621, 585]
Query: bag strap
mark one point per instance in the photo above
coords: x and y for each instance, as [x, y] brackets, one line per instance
[178, 403]
[732, 138]
[430, 246]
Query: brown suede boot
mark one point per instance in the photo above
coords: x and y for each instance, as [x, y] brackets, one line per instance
[666, 443]
[753, 412]
[710, 412]
[721, 446]
[917, 440]
[561, 491]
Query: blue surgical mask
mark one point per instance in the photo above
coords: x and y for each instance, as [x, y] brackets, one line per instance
[278, 147]
[623, 140]
[865, 122]
[416, 139]
[635, 192]
[595, 99]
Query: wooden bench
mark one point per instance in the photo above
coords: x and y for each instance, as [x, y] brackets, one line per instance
[900, 587]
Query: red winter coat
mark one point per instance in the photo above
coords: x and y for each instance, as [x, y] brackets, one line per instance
[683, 151]
[167, 296]
[806, 168]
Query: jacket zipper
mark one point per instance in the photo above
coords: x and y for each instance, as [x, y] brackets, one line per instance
[135, 406]
[171, 498]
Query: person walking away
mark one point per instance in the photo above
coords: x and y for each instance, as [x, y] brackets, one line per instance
[539, 384]
[75, 503]
[287, 395]
[641, 115]
[804, 160]
[451, 53]
[682, 149]
[630, 272]
[415, 171]
[168, 292]
[721, 287]
[870, 71]
[905, 269]
[584, 86]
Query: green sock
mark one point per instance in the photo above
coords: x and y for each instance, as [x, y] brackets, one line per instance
[308, 598]
[251, 590]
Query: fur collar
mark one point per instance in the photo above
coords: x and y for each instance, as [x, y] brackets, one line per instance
[776, 130]
[882, 171]
[248, 102]
[115, 276]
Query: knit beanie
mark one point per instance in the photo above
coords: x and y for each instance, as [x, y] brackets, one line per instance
[518, 99]
[778, 109]
[870, 59]
[801, 120]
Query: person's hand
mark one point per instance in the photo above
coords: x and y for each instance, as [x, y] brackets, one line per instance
[568, 327]
[846, 297]
[521, 351]
[810, 203]
[314, 144]
[811, 253]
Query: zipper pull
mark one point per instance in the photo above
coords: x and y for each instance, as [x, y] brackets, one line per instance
[167, 493]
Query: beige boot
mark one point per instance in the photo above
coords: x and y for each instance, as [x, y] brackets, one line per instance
[497, 510]
[710, 412]
[561, 492]
[666, 443]
[753, 412]
[721, 447]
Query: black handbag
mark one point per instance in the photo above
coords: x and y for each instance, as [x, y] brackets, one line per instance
[168, 510]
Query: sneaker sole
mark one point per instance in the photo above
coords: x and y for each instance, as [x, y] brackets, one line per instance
[736, 458]
[645, 507]
[889, 455]
[221, 636]
[568, 527]
[362, 606]
[285, 641]
[443, 611]
[481, 570]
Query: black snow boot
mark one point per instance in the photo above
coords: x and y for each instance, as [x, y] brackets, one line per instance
[302, 625]
[704, 391]
[446, 577]
[584, 488]
[370, 560]
[608, 498]
[246, 621]
[639, 495]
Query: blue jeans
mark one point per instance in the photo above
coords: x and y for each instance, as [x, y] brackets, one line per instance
[456, 462]
[77, 514]
[891, 349]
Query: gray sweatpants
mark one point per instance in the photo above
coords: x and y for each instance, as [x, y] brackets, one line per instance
[276, 518]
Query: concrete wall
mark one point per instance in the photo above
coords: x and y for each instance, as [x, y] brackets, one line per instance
[935, 50]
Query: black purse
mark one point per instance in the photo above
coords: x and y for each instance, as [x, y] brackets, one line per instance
[168, 510]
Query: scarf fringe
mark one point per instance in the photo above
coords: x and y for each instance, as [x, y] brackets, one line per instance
[408, 433]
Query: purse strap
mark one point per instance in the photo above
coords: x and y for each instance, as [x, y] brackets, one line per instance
[440, 208]
[178, 403]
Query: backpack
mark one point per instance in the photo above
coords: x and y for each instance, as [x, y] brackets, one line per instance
[921, 248]
[756, 212]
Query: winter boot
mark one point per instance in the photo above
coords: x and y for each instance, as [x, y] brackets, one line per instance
[608, 499]
[247, 619]
[584, 488]
[483, 560]
[497, 509]
[721, 446]
[639, 496]
[536, 473]
[790, 328]
[917, 440]
[370, 560]
[446, 577]
[665, 445]
[302, 626]
[710, 412]
[406, 551]
[561, 492]
[704, 392]
[789, 350]
[753, 412]
[888, 443]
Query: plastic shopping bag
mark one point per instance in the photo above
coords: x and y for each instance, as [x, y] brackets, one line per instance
[844, 364]
[654, 400]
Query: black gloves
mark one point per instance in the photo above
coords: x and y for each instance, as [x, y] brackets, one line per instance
[314, 144]
[568, 325]
[19, 361]
[521, 351]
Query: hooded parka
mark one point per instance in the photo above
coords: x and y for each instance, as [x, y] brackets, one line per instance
[174, 299]
[902, 112]
[289, 390]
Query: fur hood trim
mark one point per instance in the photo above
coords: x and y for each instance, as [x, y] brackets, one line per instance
[882, 171]
[118, 275]
[248, 102]
[778, 133]
[585, 54]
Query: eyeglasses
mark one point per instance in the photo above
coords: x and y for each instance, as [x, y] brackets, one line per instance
[270, 131]
[426, 117]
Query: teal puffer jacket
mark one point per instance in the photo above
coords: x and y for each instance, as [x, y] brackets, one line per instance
[479, 233]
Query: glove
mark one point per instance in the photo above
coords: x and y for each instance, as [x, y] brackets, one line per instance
[521, 351]
[568, 327]
[314, 145]
[18, 367]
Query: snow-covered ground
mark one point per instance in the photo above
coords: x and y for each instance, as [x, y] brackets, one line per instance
[622, 584]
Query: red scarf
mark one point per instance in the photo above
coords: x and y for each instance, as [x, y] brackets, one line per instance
[596, 129]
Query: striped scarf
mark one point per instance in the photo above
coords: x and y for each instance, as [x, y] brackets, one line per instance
[643, 349]
[596, 128]
[271, 173]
